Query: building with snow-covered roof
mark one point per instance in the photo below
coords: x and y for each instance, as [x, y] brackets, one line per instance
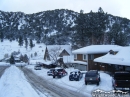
[116, 61]
[55, 53]
[84, 56]
[52, 55]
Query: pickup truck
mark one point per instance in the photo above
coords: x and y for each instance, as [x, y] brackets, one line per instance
[121, 81]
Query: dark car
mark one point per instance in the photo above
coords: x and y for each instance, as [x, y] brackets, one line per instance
[75, 75]
[92, 76]
[121, 81]
[49, 73]
[37, 67]
[59, 73]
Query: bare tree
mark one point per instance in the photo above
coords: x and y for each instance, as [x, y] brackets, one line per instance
[54, 54]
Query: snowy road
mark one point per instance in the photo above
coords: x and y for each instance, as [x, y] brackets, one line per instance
[2, 69]
[44, 86]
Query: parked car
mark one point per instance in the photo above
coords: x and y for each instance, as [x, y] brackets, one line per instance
[49, 73]
[92, 76]
[59, 73]
[121, 81]
[37, 67]
[75, 75]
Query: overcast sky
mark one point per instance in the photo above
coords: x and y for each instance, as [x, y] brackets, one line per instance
[115, 7]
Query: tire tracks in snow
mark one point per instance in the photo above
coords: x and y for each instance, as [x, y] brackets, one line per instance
[45, 86]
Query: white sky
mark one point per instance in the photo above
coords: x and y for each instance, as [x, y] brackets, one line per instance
[114, 7]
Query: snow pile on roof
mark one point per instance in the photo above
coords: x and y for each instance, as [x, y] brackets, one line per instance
[93, 49]
[14, 84]
[34, 62]
[60, 47]
[80, 62]
[121, 58]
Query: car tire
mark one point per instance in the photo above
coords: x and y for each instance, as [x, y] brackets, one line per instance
[77, 79]
[99, 79]
[86, 83]
[59, 76]
[97, 83]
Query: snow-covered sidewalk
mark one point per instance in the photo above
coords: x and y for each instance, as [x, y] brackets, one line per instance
[14, 84]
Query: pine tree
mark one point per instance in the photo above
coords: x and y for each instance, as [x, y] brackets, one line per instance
[116, 33]
[31, 44]
[21, 57]
[79, 37]
[20, 41]
[26, 43]
[97, 26]
[101, 24]
[31, 55]
[12, 61]
[91, 27]
[35, 54]
[1, 36]
[25, 58]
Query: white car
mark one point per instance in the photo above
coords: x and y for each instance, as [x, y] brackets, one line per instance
[37, 67]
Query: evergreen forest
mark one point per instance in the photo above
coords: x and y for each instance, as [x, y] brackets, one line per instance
[63, 27]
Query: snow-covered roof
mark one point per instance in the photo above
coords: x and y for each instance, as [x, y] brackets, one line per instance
[80, 62]
[121, 58]
[93, 49]
[40, 61]
[61, 47]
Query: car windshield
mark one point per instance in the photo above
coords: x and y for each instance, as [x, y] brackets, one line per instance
[37, 66]
[90, 74]
[52, 69]
[59, 69]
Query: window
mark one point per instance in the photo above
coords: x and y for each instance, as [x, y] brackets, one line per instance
[127, 68]
[118, 68]
[75, 56]
[84, 57]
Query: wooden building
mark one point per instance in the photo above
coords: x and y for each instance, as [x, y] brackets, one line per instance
[89, 53]
[117, 61]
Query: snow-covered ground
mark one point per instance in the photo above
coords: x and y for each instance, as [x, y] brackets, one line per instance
[14, 84]
[78, 86]
[8, 47]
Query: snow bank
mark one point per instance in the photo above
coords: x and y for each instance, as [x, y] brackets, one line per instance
[14, 84]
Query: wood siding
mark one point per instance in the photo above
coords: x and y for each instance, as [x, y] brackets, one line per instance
[80, 58]
[91, 64]
[64, 53]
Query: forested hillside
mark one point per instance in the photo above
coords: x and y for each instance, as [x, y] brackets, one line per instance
[62, 26]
